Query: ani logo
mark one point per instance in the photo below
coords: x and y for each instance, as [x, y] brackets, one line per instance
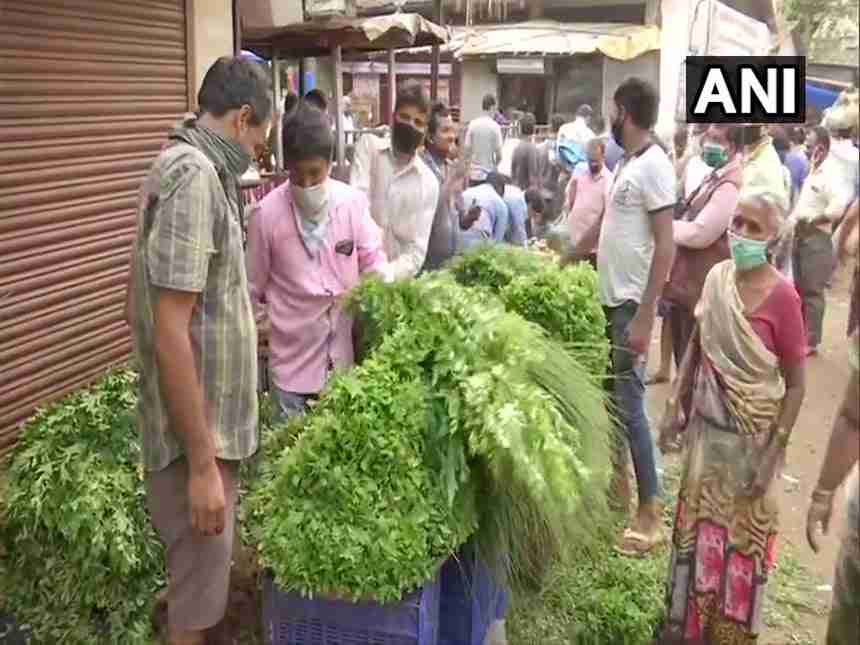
[746, 89]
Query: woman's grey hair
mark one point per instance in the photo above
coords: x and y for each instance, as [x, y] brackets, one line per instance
[770, 203]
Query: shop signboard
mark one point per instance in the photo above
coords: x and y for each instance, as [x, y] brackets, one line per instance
[524, 66]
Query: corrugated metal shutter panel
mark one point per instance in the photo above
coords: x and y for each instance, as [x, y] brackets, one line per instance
[88, 90]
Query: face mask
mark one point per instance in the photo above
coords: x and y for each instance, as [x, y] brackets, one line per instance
[312, 201]
[715, 155]
[405, 138]
[747, 254]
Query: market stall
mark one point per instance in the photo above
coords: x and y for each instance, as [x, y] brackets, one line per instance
[332, 37]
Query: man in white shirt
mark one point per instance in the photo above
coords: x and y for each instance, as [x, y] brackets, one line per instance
[828, 191]
[402, 190]
[634, 257]
[347, 120]
[579, 130]
[484, 142]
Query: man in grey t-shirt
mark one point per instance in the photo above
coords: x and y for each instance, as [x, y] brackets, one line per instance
[634, 257]
[484, 142]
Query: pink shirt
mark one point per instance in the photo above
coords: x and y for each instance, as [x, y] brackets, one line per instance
[310, 333]
[714, 218]
[588, 204]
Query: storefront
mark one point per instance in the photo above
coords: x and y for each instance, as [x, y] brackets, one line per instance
[525, 84]
[547, 67]
[366, 83]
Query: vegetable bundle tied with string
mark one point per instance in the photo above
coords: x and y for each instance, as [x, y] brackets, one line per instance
[464, 420]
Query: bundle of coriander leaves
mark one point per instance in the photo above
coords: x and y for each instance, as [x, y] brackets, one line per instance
[561, 300]
[82, 563]
[464, 420]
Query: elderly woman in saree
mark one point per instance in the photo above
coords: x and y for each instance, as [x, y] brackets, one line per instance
[736, 399]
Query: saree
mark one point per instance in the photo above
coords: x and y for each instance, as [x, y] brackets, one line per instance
[724, 537]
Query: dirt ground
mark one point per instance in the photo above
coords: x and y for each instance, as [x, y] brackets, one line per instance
[827, 375]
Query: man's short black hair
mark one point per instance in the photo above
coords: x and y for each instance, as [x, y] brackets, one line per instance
[291, 102]
[317, 99]
[638, 98]
[780, 139]
[234, 81]
[488, 103]
[497, 181]
[438, 112]
[412, 93]
[528, 124]
[798, 135]
[584, 110]
[822, 136]
[307, 135]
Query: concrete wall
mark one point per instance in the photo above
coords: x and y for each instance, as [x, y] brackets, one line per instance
[615, 72]
[479, 78]
[210, 37]
[674, 44]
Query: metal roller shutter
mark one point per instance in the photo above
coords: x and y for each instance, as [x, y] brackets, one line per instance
[88, 90]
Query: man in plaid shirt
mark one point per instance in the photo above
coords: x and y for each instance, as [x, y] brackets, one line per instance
[196, 342]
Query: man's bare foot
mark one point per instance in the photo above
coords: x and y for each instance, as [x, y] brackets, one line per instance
[646, 533]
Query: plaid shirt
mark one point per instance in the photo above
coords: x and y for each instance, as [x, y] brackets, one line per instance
[190, 239]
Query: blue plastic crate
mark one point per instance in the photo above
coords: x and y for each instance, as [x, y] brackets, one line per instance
[470, 600]
[290, 619]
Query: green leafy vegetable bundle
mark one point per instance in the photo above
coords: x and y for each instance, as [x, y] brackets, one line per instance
[623, 602]
[464, 416]
[82, 562]
[561, 300]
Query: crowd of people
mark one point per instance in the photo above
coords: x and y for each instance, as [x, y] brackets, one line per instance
[697, 234]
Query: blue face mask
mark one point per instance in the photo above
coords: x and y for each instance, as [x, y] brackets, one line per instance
[746, 253]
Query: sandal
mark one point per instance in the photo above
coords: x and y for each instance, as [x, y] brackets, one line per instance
[638, 545]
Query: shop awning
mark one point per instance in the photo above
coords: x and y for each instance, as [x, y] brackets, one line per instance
[317, 38]
[551, 38]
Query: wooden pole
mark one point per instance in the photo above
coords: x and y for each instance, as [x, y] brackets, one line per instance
[237, 29]
[392, 84]
[437, 54]
[279, 122]
[337, 60]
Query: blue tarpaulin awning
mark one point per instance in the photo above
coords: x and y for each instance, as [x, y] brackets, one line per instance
[820, 97]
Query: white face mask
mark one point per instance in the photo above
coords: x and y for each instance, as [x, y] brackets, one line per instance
[311, 202]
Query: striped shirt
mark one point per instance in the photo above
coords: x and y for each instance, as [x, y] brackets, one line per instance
[190, 239]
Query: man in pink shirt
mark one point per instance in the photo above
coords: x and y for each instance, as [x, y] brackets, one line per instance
[309, 242]
[585, 199]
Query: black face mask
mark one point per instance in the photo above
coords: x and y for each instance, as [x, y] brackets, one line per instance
[405, 138]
